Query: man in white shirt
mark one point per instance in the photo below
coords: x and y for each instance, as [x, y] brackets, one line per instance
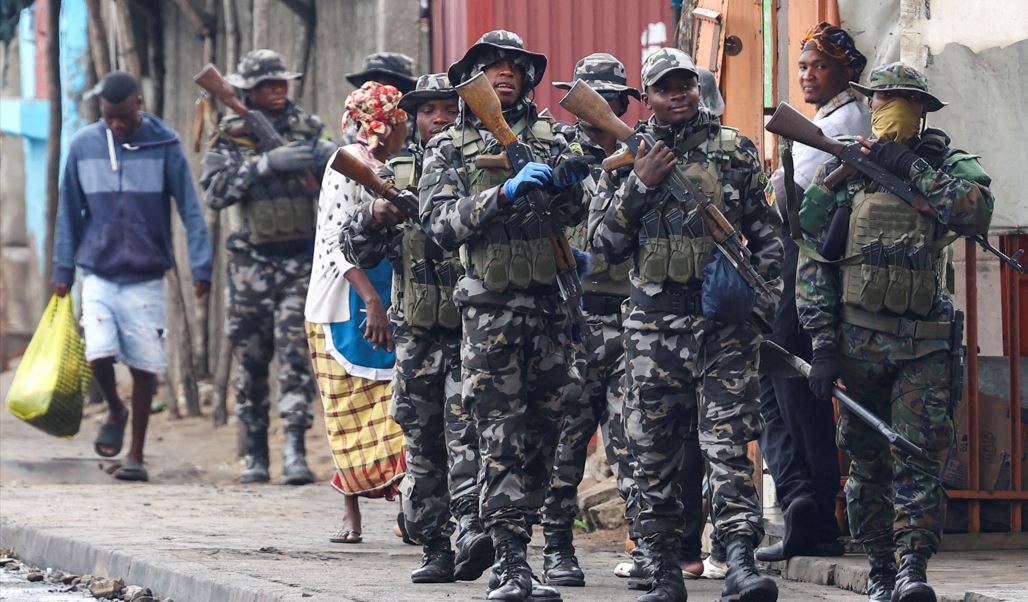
[798, 442]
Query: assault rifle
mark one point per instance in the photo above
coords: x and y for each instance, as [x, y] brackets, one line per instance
[791, 124]
[359, 172]
[776, 361]
[588, 105]
[481, 99]
[211, 80]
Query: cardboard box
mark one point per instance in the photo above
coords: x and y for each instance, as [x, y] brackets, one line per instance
[994, 446]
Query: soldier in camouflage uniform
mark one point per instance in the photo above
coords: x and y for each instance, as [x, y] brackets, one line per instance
[678, 361]
[270, 214]
[426, 391]
[880, 318]
[606, 287]
[518, 362]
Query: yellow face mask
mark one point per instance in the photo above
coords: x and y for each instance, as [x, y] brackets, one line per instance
[897, 119]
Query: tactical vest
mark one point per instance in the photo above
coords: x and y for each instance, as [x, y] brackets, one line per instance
[892, 260]
[602, 277]
[667, 252]
[278, 209]
[512, 253]
[423, 289]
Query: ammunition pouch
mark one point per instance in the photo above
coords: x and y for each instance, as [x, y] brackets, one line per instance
[275, 220]
[429, 279]
[602, 277]
[680, 300]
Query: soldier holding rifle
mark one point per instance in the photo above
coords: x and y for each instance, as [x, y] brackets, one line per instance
[870, 290]
[516, 294]
[426, 391]
[685, 355]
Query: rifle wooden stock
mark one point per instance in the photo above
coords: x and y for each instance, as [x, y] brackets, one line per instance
[210, 79]
[587, 104]
[792, 124]
[493, 162]
[839, 176]
[480, 97]
[359, 172]
[618, 160]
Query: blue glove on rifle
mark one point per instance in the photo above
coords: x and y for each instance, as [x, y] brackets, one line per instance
[532, 176]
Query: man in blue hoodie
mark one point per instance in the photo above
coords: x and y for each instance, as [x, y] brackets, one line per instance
[114, 222]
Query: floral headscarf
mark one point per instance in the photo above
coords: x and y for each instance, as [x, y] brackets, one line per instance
[375, 107]
[839, 45]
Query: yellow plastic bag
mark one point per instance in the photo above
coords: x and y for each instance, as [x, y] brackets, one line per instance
[53, 377]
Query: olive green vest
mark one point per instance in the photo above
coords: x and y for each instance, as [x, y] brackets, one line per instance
[278, 209]
[509, 254]
[602, 277]
[886, 238]
[667, 252]
[423, 288]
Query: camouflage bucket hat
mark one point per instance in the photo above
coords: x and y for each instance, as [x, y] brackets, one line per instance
[393, 68]
[499, 41]
[898, 76]
[434, 86]
[664, 61]
[257, 66]
[603, 73]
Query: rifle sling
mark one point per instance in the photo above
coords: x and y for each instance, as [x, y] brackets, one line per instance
[792, 204]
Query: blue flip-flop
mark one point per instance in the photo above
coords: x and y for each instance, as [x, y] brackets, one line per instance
[131, 471]
[111, 435]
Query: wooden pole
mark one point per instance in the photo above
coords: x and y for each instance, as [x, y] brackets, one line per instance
[261, 24]
[974, 516]
[231, 33]
[53, 147]
[99, 51]
[128, 56]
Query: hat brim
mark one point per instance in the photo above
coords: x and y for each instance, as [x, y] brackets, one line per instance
[458, 70]
[657, 77]
[245, 83]
[411, 100]
[602, 87]
[931, 103]
[358, 79]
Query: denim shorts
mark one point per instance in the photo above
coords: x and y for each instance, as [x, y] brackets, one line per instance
[125, 321]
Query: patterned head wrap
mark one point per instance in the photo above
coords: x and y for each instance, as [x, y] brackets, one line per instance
[375, 107]
[839, 45]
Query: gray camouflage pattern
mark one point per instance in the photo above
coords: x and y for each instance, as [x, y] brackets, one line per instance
[678, 365]
[259, 65]
[603, 72]
[265, 317]
[663, 61]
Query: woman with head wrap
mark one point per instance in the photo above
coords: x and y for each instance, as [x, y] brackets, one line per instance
[347, 328]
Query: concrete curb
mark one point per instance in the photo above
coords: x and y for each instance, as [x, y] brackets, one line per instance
[174, 578]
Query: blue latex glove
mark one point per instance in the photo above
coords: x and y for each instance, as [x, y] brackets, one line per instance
[532, 175]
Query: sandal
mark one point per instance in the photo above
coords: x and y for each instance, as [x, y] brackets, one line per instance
[111, 435]
[131, 470]
[346, 535]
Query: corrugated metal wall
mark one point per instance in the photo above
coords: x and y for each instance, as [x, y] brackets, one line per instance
[565, 31]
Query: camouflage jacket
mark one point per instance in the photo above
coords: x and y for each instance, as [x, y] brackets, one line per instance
[231, 167]
[454, 217]
[579, 235]
[957, 188]
[622, 200]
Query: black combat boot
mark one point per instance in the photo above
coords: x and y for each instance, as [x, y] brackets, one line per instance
[436, 564]
[540, 592]
[256, 470]
[294, 459]
[743, 583]
[882, 578]
[474, 549]
[560, 566]
[666, 573]
[514, 577]
[912, 580]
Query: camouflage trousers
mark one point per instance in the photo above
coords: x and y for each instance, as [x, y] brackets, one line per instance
[702, 367]
[266, 295]
[517, 371]
[427, 406]
[601, 403]
[894, 501]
